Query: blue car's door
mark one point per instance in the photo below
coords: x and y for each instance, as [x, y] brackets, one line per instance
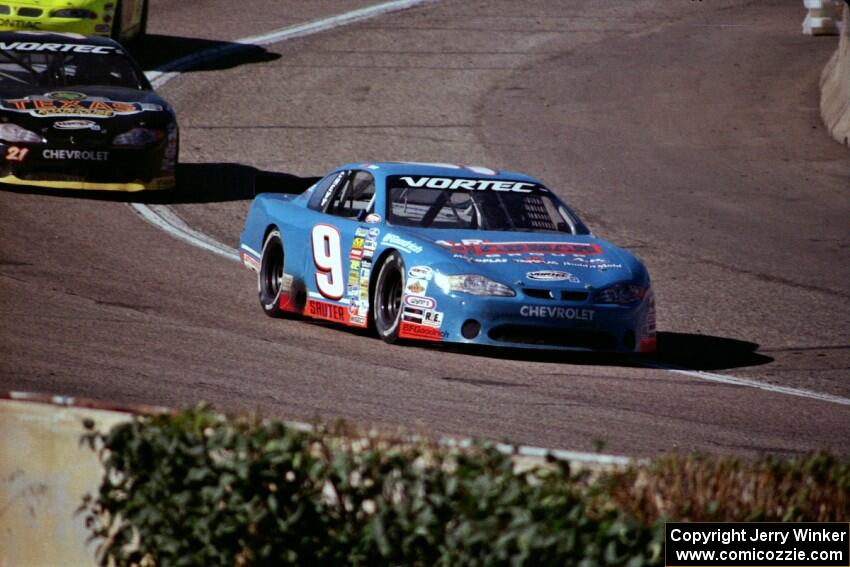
[342, 244]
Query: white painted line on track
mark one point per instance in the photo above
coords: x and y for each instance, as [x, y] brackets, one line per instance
[172, 69]
[723, 379]
[164, 218]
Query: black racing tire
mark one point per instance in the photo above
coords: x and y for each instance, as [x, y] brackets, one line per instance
[271, 274]
[389, 288]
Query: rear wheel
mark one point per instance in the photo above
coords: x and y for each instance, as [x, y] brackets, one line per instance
[270, 276]
[388, 291]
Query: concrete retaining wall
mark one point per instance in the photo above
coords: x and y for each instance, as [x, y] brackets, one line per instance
[44, 473]
[835, 87]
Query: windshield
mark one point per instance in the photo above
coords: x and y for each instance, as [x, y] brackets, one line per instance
[444, 202]
[65, 69]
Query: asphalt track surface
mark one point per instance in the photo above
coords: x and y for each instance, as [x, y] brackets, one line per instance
[686, 131]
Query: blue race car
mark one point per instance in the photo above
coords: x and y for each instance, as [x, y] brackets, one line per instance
[438, 252]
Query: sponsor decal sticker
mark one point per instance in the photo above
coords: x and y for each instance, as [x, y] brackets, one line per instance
[330, 191]
[58, 104]
[536, 260]
[420, 302]
[592, 263]
[81, 155]
[15, 24]
[423, 272]
[357, 313]
[484, 248]
[486, 260]
[468, 184]
[410, 330]
[433, 318]
[547, 312]
[51, 47]
[65, 95]
[397, 241]
[372, 218]
[416, 286]
[326, 311]
[596, 266]
[77, 125]
[552, 276]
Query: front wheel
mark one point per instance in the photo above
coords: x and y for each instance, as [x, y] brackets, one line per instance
[270, 276]
[388, 291]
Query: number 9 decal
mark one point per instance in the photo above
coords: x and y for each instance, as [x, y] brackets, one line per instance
[326, 257]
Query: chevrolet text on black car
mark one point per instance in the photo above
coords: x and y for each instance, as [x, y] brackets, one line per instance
[78, 113]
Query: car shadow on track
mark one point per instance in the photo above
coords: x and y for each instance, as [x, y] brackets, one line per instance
[154, 51]
[196, 183]
[220, 182]
[681, 351]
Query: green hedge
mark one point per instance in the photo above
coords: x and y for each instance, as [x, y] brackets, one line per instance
[197, 488]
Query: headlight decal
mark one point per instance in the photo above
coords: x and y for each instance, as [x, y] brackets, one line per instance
[138, 137]
[14, 133]
[620, 294]
[473, 284]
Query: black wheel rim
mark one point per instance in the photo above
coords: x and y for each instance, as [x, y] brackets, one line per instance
[390, 299]
[272, 271]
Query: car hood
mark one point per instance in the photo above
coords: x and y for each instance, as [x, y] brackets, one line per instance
[119, 107]
[118, 94]
[531, 259]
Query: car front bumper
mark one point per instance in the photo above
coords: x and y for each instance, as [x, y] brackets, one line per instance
[14, 20]
[83, 167]
[524, 322]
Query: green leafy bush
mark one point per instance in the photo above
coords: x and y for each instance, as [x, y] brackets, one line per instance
[197, 488]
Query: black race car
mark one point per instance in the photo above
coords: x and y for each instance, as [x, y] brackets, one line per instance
[78, 113]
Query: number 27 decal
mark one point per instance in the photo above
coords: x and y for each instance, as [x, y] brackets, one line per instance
[14, 153]
[328, 261]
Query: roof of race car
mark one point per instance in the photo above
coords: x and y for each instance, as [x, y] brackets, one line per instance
[386, 168]
[56, 37]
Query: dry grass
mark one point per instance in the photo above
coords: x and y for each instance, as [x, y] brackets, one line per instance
[699, 488]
